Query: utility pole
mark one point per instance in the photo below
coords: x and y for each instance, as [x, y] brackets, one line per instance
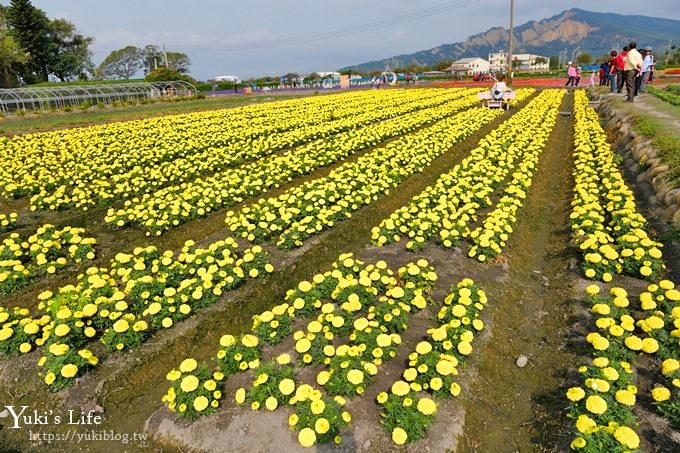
[512, 22]
[166, 57]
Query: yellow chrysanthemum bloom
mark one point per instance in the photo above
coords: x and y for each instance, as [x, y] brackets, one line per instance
[188, 365]
[627, 437]
[596, 404]
[426, 406]
[585, 424]
[399, 436]
[575, 394]
[69, 370]
[307, 437]
[661, 394]
[200, 403]
[400, 388]
[625, 397]
[321, 426]
[189, 383]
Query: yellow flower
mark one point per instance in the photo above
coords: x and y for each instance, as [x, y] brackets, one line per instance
[627, 437]
[293, 419]
[577, 443]
[249, 341]
[69, 370]
[399, 436]
[287, 386]
[321, 426]
[633, 342]
[173, 375]
[596, 404]
[271, 403]
[346, 416]
[307, 436]
[455, 389]
[317, 407]
[669, 365]
[661, 394]
[464, 348]
[49, 378]
[121, 326]
[227, 340]
[423, 347]
[592, 289]
[188, 365]
[303, 345]
[400, 388]
[575, 394]
[200, 403]
[585, 424]
[189, 383]
[650, 345]
[625, 397]
[426, 406]
[356, 377]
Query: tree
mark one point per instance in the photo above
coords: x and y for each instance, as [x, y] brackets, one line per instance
[11, 55]
[584, 59]
[72, 57]
[441, 65]
[164, 74]
[31, 29]
[179, 62]
[554, 63]
[121, 63]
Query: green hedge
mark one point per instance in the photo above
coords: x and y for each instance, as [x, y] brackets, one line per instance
[673, 99]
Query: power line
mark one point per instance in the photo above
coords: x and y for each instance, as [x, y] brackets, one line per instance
[330, 34]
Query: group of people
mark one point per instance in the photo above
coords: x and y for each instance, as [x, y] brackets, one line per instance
[630, 67]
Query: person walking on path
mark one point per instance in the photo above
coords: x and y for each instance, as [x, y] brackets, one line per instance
[647, 63]
[631, 69]
[571, 73]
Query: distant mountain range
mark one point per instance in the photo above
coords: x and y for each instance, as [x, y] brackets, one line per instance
[567, 34]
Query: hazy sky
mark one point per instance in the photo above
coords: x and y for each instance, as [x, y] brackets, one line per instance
[204, 29]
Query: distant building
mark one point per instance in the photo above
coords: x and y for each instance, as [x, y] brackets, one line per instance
[468, 67]
[525, 62]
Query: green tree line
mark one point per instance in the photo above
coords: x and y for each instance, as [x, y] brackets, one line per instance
[34, 47]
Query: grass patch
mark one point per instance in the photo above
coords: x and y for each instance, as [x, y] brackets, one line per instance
[665, 138]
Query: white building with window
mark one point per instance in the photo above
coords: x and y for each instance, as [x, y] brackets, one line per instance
[523, 62]
[468, 66]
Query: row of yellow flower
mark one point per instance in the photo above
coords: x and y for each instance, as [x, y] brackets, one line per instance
[172, 206]
[491, 236]
[602, 406]
[446, 209]
[316, 205]
[122, 306]
[662, 300]
[357, 313]
[433, 365]
[143, 179]
[8, 221]
[606, 224]
[85, 156]
[42, 253]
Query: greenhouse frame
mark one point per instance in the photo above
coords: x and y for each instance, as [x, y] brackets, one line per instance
[59, 97]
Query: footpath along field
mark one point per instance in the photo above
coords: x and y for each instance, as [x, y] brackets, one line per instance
[359, 272]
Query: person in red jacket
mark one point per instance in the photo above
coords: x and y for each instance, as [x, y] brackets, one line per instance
[620, 66]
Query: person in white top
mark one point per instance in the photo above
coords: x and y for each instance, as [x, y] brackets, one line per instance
[499, 88]
[647, 64]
